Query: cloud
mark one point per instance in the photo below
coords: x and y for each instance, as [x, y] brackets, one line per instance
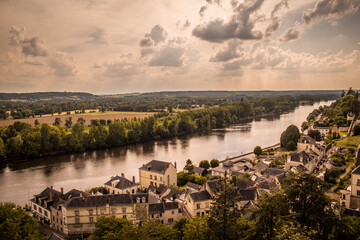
[97, 36]
[157, 34]
[63, 64]
[228, 53]
[274, 19]
[290, 35]
[205, 7]
[169, 56]
[120, 69]
[240, 26]
[202, 10]
[146, 42]
[29, 46]
[329, 9]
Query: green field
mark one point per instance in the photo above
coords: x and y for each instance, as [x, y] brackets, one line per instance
[350, 142]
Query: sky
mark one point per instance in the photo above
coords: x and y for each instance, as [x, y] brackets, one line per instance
[122, 46]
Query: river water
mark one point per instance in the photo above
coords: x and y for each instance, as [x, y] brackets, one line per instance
[20, 181]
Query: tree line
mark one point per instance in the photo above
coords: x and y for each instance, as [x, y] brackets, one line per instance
[21, 140]
[134, 103]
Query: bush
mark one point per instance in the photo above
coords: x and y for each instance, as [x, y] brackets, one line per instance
[291, 146]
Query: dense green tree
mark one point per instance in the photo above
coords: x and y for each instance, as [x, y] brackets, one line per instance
[304, 126]
[189, 166]
[291, 146]
[16, 224]
[305, 194]
[2, 150]
[197, 229]
[348, 227]
[258, 151]
[81, 121]
[117, 134]
[214, 163]
[291, 133]
[182, 178]
[157, 231]
[57, 121]
[109, 228]
[68, 122]
[204, 164]
[179, 227]
[224, 213]
[315, 134]
[356, 130]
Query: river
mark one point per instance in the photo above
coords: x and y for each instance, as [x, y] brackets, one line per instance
[20, 181]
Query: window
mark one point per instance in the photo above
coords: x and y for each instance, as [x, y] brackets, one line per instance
[40, 210]
[172, 212]
[76, 213]
[133, 191]
[170, 220]
[46, 213]
[91, 219]
[198, 206]
[77, 220]
[198, 214]
[207, 205]
[155, 184]
[53, 218]
[90, 212]
[162, 221]
[202, 213]
[155, 177]
[151, 183]
[358, 182]
[35, 207]
[124, 216]
[152, 215]
[150, 176]
[123, 210]
[160, 214]
[358, 192]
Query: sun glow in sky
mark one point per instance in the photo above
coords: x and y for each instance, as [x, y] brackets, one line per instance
[117, 46]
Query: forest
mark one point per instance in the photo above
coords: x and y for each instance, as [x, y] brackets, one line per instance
[22, 141]
[28, 105]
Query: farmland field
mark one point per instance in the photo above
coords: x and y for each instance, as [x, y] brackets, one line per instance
[87, 116]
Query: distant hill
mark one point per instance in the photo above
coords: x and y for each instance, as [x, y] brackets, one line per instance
[47, 96]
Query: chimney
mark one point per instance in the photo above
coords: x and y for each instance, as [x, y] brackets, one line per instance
[166, 166]
[175, 164]
[133, 179]
[51, 187]
[51, 195]
[122, 175]
[62, 190]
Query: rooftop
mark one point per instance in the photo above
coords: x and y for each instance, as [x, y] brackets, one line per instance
[156, 166]
[122, 182]
[200, 196]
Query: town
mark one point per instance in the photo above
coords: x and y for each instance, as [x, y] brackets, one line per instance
[166, 194]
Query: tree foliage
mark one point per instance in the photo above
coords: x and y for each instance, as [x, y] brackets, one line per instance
[258, 151]
[291, 133]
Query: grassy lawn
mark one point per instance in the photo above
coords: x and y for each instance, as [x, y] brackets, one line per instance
[350, 142]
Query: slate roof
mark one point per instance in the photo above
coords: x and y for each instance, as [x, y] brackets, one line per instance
[248, 194]
[200, 196]
[213, 185]
[274, 171]
[173, 193]
[75, 193]
[261, 166]
[162, 207]
[44, 197]
[307, 139]
[193, 186]
[244, 184]
[99, 200]
[54, 236]
[356, 170]
[301, 168]
[300, 157]
[155, 166]
[281, 178]
[123, 183]
[134, 197]
[199, 170]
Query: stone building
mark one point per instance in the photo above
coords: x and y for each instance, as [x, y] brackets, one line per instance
[156, 173]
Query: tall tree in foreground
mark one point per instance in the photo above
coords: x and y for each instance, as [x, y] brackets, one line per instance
[16, 224]
[224, 213]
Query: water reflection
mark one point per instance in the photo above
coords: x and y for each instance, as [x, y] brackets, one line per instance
[84, 170]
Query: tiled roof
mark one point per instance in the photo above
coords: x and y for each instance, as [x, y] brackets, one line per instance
[200, 196]
[162, 207]
[156, 166]
[261, 166]
[123, 183]
[199, 170]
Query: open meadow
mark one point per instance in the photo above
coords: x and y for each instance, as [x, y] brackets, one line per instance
[87, 116]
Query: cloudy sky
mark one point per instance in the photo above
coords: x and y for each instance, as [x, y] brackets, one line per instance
[118, 46]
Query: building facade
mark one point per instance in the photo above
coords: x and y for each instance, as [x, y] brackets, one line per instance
[157, 173]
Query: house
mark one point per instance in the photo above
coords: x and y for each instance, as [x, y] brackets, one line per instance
[120, 185]
[271, 173]
[350, 197]
[193, 186]
[323, 131]
[156, 173]
[41, 203]
[81, 213]
[260, 167]
[198, 203]
[248, 197]
[212, 186]
[200, 171]
[166, 213]
[244, 184]
[308, 159]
